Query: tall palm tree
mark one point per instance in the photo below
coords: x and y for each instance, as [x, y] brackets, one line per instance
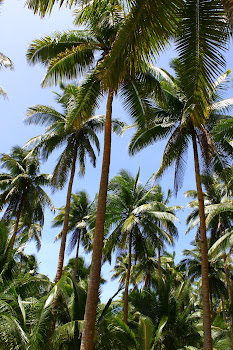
[78, 49]
[218, 210]
[73, 52]
[76, 135]
[134, 212]
[22, 194]
[78, 222]
[182, 123]
[192, 261]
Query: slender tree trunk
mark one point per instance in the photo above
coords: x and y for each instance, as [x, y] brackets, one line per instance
[62, 246]
[223, 309]
[126, 295]
[76, 258]
[204, 253]
[20, 264]
[93, 285]
[211, 307]
[16, 224]
[66, 222]
[228, 288]
[228, 6]
[159, 261]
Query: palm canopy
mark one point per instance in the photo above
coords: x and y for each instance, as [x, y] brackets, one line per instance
[155, 23]
[22, 194]
[78, 218]
[138, 209]
[78, 223]
[134, 215]
[68, 54]
[218, 207]
[77, 136]
[173, 120]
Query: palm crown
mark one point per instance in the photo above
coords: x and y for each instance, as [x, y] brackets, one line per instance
[22, 194]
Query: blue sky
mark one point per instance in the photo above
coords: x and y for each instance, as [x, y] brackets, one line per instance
[18, 27]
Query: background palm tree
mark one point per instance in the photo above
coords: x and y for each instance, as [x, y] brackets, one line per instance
[22, 194]
[78, 223]
[133, 211]
[77, 136]
[174, 119]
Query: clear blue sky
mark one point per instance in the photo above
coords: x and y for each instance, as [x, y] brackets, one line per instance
[18, 27]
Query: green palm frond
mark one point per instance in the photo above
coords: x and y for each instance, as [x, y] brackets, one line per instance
[203, 35]
[44, 7]
[68, 65]
[44, 49]
[154, 23]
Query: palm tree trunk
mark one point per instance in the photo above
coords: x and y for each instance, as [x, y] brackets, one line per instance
[159, 261]
[126, 295]
[66, 222]
[228, 6]
[228, 288]
[211, 307]
[76, 258]
[16, 224]
[204, 253]
[62, 246]
[223, 309]
[93, 285]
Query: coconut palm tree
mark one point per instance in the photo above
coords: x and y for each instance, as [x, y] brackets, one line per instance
[77, 137]
[175, 119]
[192, 261]
[134, 213]
[218, 205]
[22, 194]
[82, 47]
[78, 222]
[172, 306]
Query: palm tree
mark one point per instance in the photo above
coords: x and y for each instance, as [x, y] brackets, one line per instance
[218, 206]
[192, 262]
[78, 223]
[66, 56]
[77, 135]
[135, 212]
[174, 117]
[172, 306]
[22, 194]
[218, 210]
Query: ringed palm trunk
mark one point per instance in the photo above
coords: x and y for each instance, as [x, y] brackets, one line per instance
[66, 222]
[126, 295]
[204, 253]
[76, 257]
[159, 260]
[223, 309]
[62, 246]
[16, 224]
[87, 342]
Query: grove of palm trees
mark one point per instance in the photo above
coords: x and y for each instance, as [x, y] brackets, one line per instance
[116, 181]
